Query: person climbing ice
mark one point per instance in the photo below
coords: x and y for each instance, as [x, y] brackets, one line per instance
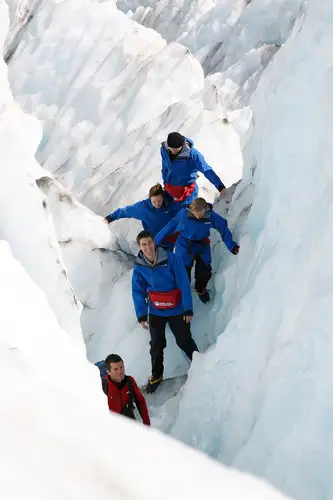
[154, 212]
[193, 245]
[121, 390]
[181, 163]
[162, 295]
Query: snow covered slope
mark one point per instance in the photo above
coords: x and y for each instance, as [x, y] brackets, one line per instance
[25, 218]
[57, 435]
[262, 399]
[108, 97]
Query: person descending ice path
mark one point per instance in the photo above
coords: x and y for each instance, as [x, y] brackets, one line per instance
[161, 294]
[193, 244]
[181, 163]
[154, 212]
[121, 390]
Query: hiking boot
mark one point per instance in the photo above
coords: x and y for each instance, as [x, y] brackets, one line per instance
[152, 384]
[204, 296]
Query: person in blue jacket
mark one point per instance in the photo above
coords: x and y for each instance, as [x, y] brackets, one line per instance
[154, 212]
[194, 224]
[181, 163]
[161, 294]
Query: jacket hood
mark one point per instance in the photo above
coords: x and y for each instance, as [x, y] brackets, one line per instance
[186, 149]
[206, 217]
[162, 257]
[167, 201]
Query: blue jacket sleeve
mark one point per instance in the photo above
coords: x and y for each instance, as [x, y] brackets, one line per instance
[170, 228]
[140, 294]
[183, 283]
[207, 170]
[165, 169]
[130, 212]
[221, 225]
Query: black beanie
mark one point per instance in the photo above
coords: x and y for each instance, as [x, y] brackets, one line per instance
[175, 140]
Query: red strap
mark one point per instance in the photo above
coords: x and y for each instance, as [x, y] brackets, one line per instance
[204, 241]
[179, 193]
[172, 238]
[165, 300]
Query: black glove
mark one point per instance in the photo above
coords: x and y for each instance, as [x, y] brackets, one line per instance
[142, 319]
[108, 219]
[235, 250]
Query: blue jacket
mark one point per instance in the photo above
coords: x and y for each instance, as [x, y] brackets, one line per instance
[183, 169]
[168, 274]
[153, 219]
[194, 229]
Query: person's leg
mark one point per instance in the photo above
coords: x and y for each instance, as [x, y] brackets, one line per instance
[203, 273]
[157, 344]
[183, 336]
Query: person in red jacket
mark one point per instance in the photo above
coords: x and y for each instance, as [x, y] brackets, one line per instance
[122, 391]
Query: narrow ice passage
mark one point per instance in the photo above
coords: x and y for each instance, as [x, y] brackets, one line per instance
[163, 411]
[100, 272]
[109, 323]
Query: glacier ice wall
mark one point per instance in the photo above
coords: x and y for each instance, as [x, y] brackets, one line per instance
[25, 217]
[234, 40]
[108, 97]
[56, 433]
[59, 438]
[261, 399]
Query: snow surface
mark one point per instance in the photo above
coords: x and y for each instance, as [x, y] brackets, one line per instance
[261, 398]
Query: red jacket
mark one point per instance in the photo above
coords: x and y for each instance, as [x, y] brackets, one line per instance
[118, 395]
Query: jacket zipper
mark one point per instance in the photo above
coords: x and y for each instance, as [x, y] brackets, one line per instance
[121, 401]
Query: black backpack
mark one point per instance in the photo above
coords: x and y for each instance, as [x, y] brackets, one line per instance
[128, 409]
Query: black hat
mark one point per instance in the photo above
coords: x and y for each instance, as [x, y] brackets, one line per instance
[175, 140]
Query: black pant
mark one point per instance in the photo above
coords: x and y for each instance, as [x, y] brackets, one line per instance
[182, 333]
[202, 273]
